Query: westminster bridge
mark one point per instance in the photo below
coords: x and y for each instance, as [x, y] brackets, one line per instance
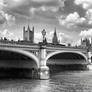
[37, 56]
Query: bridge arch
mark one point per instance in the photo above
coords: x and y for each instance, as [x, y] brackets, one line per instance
[24, 53]
[59, 52]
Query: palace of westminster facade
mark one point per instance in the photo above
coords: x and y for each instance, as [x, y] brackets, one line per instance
[28, 35]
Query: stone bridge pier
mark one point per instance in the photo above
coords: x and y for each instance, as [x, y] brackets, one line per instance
[89, 57]
[43, 68]
[89, 66]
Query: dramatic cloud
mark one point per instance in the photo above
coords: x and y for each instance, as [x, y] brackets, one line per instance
[2, 4]
[44, 9]
[14, 3]
[5, 18]
[86, 33]
[42, 1]
[89, 16]
[64, 38]
[38, 37]
[77, 43]
[85, 3]
[24, 7]
[72, 19]
[74, 14]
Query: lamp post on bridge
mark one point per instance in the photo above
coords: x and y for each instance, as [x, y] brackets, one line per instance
[44, 36]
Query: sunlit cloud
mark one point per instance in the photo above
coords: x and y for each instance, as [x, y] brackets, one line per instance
[86, 33]
[6, 18]
[85, 3]
[9, 35]
[71, 20]
[39, 1]
[44, 9]
[77, 43]
[38, 37]
[89, 16]
[64, 38]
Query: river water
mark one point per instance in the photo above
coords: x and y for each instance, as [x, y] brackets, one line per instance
[67, 81]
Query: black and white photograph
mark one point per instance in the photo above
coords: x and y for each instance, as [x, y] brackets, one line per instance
[45, 45]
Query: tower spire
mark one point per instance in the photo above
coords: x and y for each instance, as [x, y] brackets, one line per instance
[33, 28]
[24, 33]
[28, 28]
[33, 33]
[55, 38]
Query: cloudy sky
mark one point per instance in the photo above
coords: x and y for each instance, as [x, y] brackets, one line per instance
[72, 18]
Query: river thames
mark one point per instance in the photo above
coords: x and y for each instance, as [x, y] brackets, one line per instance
[65, 81]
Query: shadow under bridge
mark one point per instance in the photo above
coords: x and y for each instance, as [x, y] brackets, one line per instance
[17, 63]
[66, 61]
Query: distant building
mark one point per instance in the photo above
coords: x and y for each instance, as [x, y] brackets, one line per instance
[85, 42]
[55, 38]
[28, 35]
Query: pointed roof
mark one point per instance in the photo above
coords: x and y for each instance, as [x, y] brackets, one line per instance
[24, 28]
[55, 32]
[28, 28]
[33, 28]
[55, 38]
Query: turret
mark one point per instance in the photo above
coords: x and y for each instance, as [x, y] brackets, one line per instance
[33, 33]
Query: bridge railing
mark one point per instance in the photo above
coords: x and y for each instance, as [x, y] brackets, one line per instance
[17, 42]
[47, 46]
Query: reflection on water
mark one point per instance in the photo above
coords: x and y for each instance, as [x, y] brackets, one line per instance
[67, 81]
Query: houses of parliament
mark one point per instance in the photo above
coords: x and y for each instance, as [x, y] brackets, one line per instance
[28, 36]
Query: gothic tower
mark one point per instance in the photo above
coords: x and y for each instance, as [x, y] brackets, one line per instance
[28, 35]
[24, 33]
[55, 38]
[33, 33]
[85, 42]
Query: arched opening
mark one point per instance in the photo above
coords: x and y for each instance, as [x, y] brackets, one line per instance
[60, 61]
[17, 64]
